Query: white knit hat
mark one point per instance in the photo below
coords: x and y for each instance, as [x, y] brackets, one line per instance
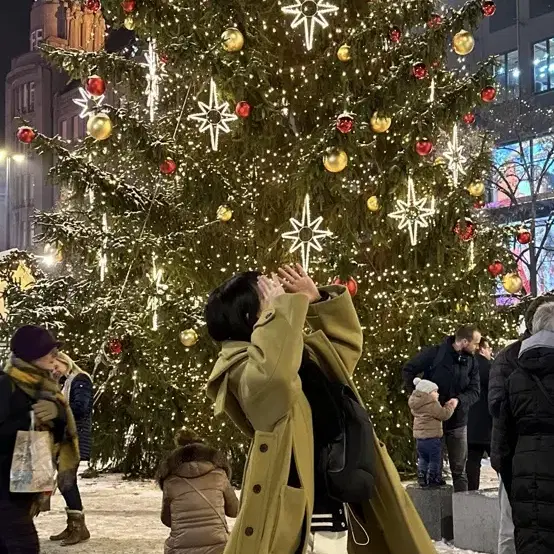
[422, 385]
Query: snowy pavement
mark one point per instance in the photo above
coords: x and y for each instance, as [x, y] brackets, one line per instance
[123, 516]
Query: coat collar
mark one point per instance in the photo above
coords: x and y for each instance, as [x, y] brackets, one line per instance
[542, 339]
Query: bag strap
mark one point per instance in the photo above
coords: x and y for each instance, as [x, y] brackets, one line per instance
[542, 388]
[222, 518]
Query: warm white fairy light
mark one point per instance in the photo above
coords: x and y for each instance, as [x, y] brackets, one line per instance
[154, 301]
[455, 155]
[88, 103]
[306, 234]
[153, 78]
[412, 213]
[214, 116]
[309, 13]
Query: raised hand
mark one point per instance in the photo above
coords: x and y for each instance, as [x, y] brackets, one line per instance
[298, 281]
[270, 289]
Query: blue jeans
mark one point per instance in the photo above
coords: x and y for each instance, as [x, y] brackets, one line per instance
[429, 454]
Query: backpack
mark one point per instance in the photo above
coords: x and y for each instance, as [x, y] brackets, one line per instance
[348, 462]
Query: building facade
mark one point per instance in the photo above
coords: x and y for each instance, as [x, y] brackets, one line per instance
[42, 97]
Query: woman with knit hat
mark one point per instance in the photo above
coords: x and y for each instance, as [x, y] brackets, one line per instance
[27, 386]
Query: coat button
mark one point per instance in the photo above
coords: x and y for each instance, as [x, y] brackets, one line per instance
[264, 448]
[257, 489]
[249, 531]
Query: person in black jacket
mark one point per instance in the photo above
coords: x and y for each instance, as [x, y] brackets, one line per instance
[453, 368]
[479, 425]
[523, 439]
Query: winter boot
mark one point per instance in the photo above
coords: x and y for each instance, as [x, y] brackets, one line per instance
[65, 533]
[436, 481]
[421, 479]
[78, 531]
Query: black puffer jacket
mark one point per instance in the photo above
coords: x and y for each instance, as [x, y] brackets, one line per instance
[524, 451]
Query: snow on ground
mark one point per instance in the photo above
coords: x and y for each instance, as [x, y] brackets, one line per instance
[124, 516]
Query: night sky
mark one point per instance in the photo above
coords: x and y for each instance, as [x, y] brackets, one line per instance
[14, 40]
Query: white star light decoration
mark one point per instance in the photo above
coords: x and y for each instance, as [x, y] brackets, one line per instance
[155, 302]
[412, 213]
[309, 13]
[88, 103]
[214, 116]
[455, 155]
[306, 234]
[153, 79]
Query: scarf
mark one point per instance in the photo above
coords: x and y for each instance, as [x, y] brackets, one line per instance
[39, 384]
[74, 370]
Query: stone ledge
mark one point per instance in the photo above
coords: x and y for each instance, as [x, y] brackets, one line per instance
[435, 509]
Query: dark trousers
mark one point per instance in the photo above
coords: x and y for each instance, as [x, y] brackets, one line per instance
[429, 453]
[17, 530]
[72, 498]
[475, 453]
[456, 447]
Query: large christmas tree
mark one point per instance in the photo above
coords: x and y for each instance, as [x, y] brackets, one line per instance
[228, 119]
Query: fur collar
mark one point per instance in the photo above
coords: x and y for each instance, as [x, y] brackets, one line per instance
[194, 452]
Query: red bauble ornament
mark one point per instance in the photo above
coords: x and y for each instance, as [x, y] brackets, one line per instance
[424, 147]
[419, 70]
[488, 94]
[351, 284]
[489, 8]
[496, 268]
[345, 123]
[164, 58]
[469, 118]
[129, 6]
[395, 34]
[115, 347]
[96, 85]
[93, 5]
[523, 236]
[467, 232]
[243, 109]
[478, 204]
[26, 134]
[435, 21]
[168, 167]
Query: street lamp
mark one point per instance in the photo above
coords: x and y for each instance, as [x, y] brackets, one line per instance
[7, 158]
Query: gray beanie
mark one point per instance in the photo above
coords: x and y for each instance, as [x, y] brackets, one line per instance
[422, 385]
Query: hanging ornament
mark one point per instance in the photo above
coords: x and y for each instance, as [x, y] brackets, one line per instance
[419, 70]
[88, 103]
[93, 5]
[424, 147]
[465, 230]
[476, 188]
[523, 236]
[512, 283]
[395, 35]
[129, 23]
[100, 126]
[469, 118]
[232, 40]
[351, 284]
[335, 160]
[168, 167]
[489, 8]
[309, 13]
[373, 204]
[439, 160]
[478, 204]
[26, 135]
[129, 6]
[164, 58]
[379, 123]
[345, 123]
[488, 94]
[435, 21]
[96, 86]
[115, 347]
[496, 268]
[243, 109]
[463, 43]
[344, 53]
[224, 213]
[188, 338]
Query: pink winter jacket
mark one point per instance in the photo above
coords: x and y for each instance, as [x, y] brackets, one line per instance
[197, 527]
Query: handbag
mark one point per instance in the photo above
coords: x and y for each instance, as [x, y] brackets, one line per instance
[32, 469]
[202, 495]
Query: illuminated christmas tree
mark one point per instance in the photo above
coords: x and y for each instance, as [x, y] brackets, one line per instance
[242, 135]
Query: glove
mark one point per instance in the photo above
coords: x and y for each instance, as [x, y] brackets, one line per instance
[45, 410]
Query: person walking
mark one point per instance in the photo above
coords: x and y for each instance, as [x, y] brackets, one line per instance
[504, 364]
[428, 417]
[479, 426]
[197, 497]
[452, 366]
[27, 387]
[266, 379]
[78, 392]
[523, 438]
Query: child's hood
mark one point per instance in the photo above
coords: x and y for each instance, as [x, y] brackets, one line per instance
[419, 401]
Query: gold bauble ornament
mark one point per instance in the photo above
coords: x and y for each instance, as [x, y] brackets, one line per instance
[373, 204]
[476, 189]
[224, 213]
[344, 53]
[512, 283]
[100, 126]
[463, 43]
[232, 39]
[439, 160]
[380, 124]
[335, 160]
[129, 23]
[189, 337]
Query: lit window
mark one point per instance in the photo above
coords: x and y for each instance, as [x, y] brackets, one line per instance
[25, 97]
[507, 76]
[36, 39]
[543, 61]
[31, 96]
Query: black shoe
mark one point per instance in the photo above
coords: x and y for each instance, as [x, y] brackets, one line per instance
[421, 479]
[436, 481]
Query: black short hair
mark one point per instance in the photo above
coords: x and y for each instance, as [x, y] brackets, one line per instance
[484, 343]
[233, 307]
[466, 332]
